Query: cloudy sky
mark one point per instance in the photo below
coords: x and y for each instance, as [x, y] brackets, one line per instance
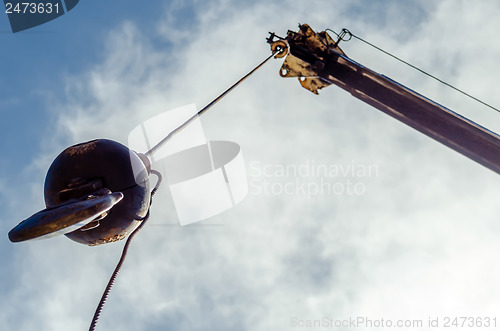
[418, 239]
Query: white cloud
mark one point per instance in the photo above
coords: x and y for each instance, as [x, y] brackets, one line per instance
[420, 242]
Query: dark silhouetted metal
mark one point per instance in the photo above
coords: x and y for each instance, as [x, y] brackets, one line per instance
[64, 218]
[318, 62]
[119, 169]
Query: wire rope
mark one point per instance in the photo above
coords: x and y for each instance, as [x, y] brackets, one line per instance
[350, 35]
[118, 267]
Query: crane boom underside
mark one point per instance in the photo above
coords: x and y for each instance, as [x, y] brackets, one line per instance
[318, 63]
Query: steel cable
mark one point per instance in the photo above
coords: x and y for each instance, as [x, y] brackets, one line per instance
[346, 32]
[118, 267]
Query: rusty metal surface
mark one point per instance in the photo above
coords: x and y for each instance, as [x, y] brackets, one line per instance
[79, 187]
[311, 46]
[101, 162]
[64, 218]
[281, 48]
[321, 63]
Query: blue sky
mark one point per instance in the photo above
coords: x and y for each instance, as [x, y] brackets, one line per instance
[420, 242]
[45, 54]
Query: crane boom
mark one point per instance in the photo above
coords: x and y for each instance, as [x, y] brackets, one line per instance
[318, 62]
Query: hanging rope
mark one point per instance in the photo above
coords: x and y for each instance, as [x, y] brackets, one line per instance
[347, 35]
[149, 153]
[207, 107]
[118, 267]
